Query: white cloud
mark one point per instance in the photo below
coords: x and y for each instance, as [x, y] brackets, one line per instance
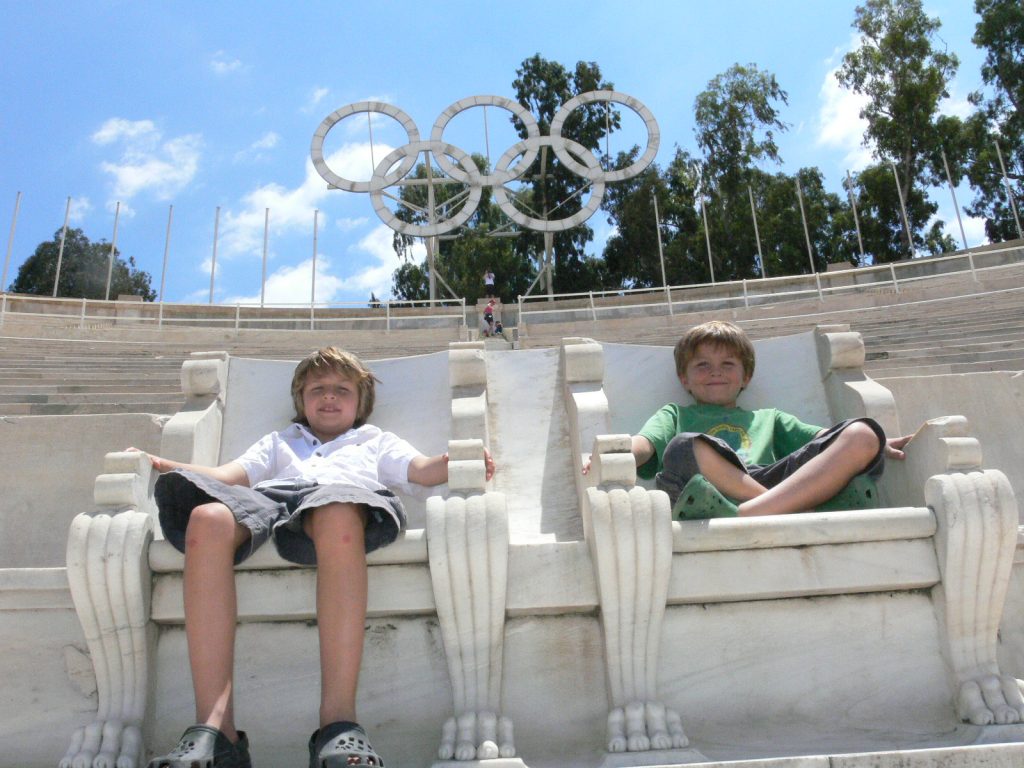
[222, 64]
[956, 106]
[603, 232]
[120, 209]
[348, 224]
[198, 296]
[291, 210]
[254, 151]
[292, 284]
[80, 208]
[318, 95]
[840, 125]
[266, 141]
[137, 131]
[974, 227]
[147, 163]
[376, 278]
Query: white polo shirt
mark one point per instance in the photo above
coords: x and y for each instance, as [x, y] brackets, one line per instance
[366, 457]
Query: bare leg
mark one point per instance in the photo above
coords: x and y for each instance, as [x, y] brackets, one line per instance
[338, 533]
[821, 478]
[724, 475]
[815, 482]
[211, 611]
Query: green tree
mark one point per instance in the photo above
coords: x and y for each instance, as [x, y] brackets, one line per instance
[781, 227]
[549, 189]
[546, 190]
[631, 253]
[736, 122]
[904, 77]
[83, 271]
[1000, 33]
[460, 260]
[881, 222]
[737, 119]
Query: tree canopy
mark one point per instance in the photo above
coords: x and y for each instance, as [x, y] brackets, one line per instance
[1000, 33]
[83, 271]
[547, 190]
[461, 260]
[904, 76]
[712, 194]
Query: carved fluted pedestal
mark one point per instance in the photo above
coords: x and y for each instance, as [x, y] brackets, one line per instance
[108, 574]
[631, 547]
[975, 542]
[467, 546]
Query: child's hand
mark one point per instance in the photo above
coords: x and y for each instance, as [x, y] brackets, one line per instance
[156, 461]
[586, 467]
[488, 464]
[894, 447]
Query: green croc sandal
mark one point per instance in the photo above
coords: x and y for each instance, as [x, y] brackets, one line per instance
[203, 746]
[859, 493]
[342, 745]
[700, 500]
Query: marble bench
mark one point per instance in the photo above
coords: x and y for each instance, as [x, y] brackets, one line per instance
[571, 605]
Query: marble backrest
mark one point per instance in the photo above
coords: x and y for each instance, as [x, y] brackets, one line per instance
[413, 400]
[639, 379]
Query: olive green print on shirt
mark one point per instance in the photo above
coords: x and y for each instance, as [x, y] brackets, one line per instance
[735, 437]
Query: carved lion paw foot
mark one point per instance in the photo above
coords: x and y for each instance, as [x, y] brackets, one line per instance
[104, 744]
[991, 699]
[476, 736]
[640, 726]
[664, 726]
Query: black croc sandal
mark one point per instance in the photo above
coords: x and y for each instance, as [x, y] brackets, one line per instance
[203, 746]
[342, 745]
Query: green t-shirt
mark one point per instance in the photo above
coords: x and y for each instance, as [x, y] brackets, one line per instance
[758, 437]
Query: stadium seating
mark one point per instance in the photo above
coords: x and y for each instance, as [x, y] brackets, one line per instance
[821, 640]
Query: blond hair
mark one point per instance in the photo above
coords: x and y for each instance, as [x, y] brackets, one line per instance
[335, 360]
[719, 334]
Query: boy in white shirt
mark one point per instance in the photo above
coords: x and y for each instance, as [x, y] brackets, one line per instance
[319, 488]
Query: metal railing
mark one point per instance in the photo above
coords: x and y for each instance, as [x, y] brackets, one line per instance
[388, 315]
[385, 315]
[596, 305]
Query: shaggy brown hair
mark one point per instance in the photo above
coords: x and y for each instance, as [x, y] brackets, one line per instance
[335, 360]
[718, 334]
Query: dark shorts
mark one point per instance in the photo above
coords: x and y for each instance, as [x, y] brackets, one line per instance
[679, 463]
[273, 512]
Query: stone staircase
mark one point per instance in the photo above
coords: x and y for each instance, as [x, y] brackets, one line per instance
[955, 326]
[61, 371]
[950, 324]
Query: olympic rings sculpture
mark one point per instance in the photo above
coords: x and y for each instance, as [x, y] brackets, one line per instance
[457, 164]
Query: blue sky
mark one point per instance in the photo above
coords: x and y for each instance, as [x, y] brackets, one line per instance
[202, 105]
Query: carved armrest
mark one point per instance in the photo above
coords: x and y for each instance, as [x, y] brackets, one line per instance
[612, 462]
[193, 434]
[940, 447]
[126, 483]
[467, 471]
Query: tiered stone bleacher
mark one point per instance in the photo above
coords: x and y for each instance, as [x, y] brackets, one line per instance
[956, 323]
[950, 324]
[51, 370]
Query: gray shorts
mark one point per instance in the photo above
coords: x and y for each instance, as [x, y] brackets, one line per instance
[273, 512]
[679, 463]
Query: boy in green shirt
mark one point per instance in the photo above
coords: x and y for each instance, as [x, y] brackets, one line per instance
[717, 460]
